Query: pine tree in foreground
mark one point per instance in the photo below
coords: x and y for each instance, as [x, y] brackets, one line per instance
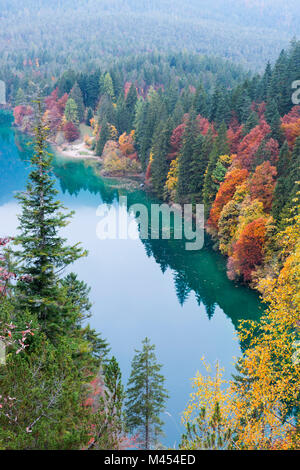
[53, 394]
[146, 396]
[43, 253]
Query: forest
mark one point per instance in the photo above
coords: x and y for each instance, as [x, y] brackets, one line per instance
[232, 147]
[194, 127]
[94, 32]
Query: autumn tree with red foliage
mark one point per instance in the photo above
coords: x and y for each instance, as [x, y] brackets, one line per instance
[204, 125]
[20, 112]
[55, 108]
[176, 140]
[262, 184]
[251, 143]
[52, 99]
[71, 132]
[234, 136]
[259, 108]
[271, 150]
[248, 251]
[62, 103]
[177, 135]
[53, 118]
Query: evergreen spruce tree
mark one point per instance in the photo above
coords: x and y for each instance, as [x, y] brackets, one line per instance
[71, 111]
[66, 82]
[121, 116]
[139, 126]
[187, 99]
[251, 122]
[198, 167]
[222, 112]
[146, 396]
[200, 101]
[281, 194]
[131, 100]
[280, 85]
[264, 88]
[76, 95]
[273, 119]
[245, 108]
[148, 117]
[185, 168]
[115, 390]
[107, 86]
[178, 113]
[210, 187]
[43, 253]
[20, 97]
[160, 150]
[171, 97]
[118, 81]
[104, 137]
[289, 185]
[89, 116]
[237, 97]
[92, 89]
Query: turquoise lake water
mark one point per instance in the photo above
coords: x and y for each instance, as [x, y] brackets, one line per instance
[181, 300]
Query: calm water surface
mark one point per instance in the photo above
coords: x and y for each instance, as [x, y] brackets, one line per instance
[181, 300]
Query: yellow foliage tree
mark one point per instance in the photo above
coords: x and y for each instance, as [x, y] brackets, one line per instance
[172, 179]
[207, 418]
[260, 407]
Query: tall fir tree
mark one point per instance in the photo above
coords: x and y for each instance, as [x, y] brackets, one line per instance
[103, 138]
[92, 89]
[76, 95]
[159, 151]
[198, 167]
[210, 186]
[200, 101]
[107, 86]
[71, 111]
[289, 184]
[130, 103]
[185, 157]
[281, 193]
[251, 122]
[273, 119]
[43, 253]
[114, 391]
[146, 396]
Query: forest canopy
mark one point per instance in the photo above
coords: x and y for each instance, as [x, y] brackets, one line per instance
[86, 31]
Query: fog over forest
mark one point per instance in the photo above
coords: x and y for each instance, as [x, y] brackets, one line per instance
[65, 32]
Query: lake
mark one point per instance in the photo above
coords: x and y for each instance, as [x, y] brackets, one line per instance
[182, 300]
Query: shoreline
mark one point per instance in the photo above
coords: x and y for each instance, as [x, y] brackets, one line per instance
[134, 181]
[76, 150]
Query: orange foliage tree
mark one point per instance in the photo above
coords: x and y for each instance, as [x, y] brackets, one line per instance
[259, 410]
[262, 184]
[126, 144]
[291, 125]
[248, 250]
[233, 179]
[20, 112]
[234, 136]
[251, 143]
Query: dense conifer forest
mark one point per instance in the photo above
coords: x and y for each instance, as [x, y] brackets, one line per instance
[248, 32]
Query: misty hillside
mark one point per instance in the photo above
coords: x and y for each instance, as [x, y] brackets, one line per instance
[66, 33]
